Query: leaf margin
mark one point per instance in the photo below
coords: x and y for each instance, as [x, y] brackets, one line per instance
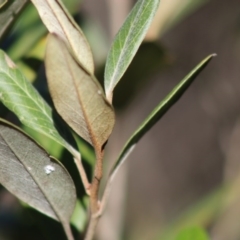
[158, 112]
[55, 40]
[63, 218]
[67, 29]
[130, 26]
[8, 67]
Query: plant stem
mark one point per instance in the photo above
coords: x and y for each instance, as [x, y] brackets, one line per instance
[68, 231]
[98, 172]
[94, 202]
[83, 175]
[91, 227]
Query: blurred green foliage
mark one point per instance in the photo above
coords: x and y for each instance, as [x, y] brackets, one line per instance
[192, 233]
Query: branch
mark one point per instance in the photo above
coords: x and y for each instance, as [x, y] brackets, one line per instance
[82, 174]
[95, 205]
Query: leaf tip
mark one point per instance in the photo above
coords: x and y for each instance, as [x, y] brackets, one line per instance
[9, 62]
[214, 54]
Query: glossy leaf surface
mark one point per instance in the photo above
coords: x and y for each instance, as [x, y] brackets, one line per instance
[127, 42]
[17, 94]
[77, 96]
[156, 115]
[28, 172]
[58, 21]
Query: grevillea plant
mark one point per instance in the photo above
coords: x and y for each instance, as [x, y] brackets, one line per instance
[26, 169]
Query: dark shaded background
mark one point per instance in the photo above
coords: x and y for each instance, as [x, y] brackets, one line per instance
[186, 156]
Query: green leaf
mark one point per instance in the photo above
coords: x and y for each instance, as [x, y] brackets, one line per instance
[127, 42]
[155, 116]
[79, 217]
[52, 147]
[77, 96]
[28, 172]
[58, 21]
[87, 152]
[8, 12]
[193, 233]
[20, 96]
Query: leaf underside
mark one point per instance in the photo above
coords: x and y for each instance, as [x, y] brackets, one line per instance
[23, 171]
[57, 20]
[77, 96]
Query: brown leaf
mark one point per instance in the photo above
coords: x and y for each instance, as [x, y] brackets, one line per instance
[77, 96]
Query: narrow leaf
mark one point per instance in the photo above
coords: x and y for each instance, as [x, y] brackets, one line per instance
[58, 21]
[28, 172]
[155, 116]
[127, 42]
[20, 96]
[77, 96]
[8, 12]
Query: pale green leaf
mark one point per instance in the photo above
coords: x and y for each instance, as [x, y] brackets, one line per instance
[77, 96]
[127, 42]
[58, 21]
[155, 116]
[28, 172]
[17, 94]
[8, 12]
[52, 147]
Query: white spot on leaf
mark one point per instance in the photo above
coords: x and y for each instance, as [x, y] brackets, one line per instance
[99, 92]
[48, 169]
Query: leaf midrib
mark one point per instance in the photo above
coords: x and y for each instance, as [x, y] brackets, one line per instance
[91, 135]
[66, 15]
[28, 94]
[41, 105]
[33, 177]
[111, 86]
